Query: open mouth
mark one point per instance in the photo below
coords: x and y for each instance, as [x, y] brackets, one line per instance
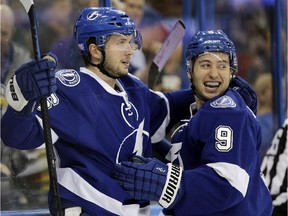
[126, 63]
[214, 84]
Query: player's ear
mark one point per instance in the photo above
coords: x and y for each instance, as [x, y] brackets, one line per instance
[94, 51]
[189, 74]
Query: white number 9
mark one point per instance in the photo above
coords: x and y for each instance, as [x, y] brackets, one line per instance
[224, 138]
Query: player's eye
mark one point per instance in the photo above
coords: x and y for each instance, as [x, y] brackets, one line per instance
[222, 66]
[205, 65]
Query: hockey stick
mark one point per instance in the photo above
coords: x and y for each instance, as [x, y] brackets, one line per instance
[169, 45]
[29, 7]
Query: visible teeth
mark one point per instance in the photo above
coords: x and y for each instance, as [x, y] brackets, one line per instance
[212, 84]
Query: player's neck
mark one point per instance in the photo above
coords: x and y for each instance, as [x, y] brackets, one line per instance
[110, 81]
[199, 102]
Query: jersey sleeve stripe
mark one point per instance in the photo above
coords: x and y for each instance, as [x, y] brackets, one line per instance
[234, 174]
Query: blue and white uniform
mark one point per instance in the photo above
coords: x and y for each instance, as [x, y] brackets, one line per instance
[93, 127]
[220, 157]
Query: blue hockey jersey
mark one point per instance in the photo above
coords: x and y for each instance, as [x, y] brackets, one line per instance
[220, 156]
[93, 126]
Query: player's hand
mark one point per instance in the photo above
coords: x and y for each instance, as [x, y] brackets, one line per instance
[246, 91]
[150, 179]
[32, 81]
[36, 79]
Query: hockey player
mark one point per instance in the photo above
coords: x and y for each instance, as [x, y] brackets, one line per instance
[219, 145]
[99, 115]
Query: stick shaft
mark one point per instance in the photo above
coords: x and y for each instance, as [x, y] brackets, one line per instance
[45, 115]
[169, 45]
[153, 75]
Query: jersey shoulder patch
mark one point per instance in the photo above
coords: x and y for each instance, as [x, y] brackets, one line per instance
[223, 102]
[68, 77]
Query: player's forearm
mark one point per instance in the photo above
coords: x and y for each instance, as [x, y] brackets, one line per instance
[206, 189]
[21, 131]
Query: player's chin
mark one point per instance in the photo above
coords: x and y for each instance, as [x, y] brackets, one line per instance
[126, 71]
[123, 73]
[208, 96]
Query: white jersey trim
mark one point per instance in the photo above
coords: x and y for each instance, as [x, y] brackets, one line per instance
[15, 98]
[68, 178]
[54, 136]
[161, 132]
[234, 174]
[105, 85]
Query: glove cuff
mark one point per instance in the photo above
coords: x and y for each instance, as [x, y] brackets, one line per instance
[14, 95]
[172, 185]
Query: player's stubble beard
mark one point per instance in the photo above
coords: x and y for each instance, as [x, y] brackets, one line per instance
[117, 70]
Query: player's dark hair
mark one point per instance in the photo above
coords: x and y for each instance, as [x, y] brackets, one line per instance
[87, 58]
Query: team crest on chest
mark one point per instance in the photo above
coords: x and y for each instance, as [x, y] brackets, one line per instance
[129, 114]
[223, 102]
[68, 77]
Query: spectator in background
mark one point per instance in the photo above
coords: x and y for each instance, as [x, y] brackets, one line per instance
[12, 53]
[264, 91]
[15, 163]
[274, 167]
[12, 56]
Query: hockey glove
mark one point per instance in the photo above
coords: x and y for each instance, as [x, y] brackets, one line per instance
[32, 81]
[150, 179]
[246, 91]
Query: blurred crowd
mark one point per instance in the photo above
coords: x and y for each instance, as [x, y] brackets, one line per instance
[249, 24]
